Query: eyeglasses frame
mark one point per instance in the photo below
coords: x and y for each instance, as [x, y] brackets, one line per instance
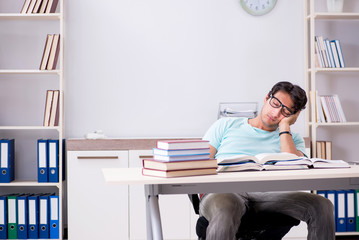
[282, 106]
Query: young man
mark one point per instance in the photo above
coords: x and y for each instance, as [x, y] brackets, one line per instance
[268, 132]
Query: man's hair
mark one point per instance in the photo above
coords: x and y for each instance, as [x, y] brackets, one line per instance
[297, 94]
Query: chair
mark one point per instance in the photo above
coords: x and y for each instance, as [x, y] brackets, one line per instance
[254, 226]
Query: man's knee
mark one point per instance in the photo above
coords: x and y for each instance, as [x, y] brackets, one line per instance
[222, 205]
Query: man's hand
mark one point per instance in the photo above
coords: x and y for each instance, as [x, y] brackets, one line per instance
[287, 121]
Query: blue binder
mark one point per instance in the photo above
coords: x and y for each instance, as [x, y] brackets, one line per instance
[331, 195]
[54, 217]
[44, 217]
[53, 154]
[7, 163]
[3, 217]
[22, 217]
[33, 210]
[350, 216]
[42, 161]
[340, 211]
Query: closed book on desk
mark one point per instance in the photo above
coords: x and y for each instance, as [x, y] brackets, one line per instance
[179, 165]
[181, 158]
[178, 173]
[182, 144]
[180, 152]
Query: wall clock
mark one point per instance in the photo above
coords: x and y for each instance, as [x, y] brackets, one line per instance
[258, 7]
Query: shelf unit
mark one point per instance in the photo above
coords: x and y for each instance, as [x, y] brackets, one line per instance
[27, 133]
[312, 17]
[318, 21]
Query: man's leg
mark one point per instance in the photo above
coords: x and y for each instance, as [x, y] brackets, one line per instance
[224, 213]
[315, 210]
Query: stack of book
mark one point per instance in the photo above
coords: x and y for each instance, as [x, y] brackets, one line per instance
[51, 52]
[179, 158]
[39, 6]
[51, 113]
[328, 53]
[324, 150]
[329, 109]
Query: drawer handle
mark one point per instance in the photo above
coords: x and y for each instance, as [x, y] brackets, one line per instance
[97, 157]
[145, 156]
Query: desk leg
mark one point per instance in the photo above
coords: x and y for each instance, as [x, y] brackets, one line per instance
[153, 218]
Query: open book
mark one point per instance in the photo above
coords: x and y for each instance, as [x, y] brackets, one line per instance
[275, 161]
[317, 163]
[262, 158]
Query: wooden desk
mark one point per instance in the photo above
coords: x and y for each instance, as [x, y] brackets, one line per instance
[311, 179]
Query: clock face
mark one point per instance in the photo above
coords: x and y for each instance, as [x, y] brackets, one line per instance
[258, 7]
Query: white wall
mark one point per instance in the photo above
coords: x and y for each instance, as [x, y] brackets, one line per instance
[159, 68]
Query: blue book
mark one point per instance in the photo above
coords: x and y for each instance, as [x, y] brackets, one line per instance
[7, 160]
[340, 53]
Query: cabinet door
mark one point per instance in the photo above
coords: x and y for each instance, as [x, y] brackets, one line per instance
[96, 210]
[176, 210]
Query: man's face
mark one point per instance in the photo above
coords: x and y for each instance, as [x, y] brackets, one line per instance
[271, 116]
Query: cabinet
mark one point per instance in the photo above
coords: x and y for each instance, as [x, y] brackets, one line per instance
[94, 206]
[96, 210]
[328, 81]
[23, 91]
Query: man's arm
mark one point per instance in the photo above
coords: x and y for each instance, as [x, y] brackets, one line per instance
[286, 140]
[212, 151]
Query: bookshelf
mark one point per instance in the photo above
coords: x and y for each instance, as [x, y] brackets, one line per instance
[330, 80]
[23, 86]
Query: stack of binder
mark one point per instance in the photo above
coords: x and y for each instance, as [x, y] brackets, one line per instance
[29, 216]
[48, 160]
[7, 160]
[345, 204]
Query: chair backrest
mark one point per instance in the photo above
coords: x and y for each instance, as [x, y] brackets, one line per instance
[195, 202]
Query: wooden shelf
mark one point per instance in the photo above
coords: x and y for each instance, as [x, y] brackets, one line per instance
[336, 124]
[346, 69]
[347, 234]
[21, 16]
[28, 71]
[334, 16]
[18, 183]
[29, 128]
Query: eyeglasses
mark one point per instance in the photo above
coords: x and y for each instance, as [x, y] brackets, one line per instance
[275, 103]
